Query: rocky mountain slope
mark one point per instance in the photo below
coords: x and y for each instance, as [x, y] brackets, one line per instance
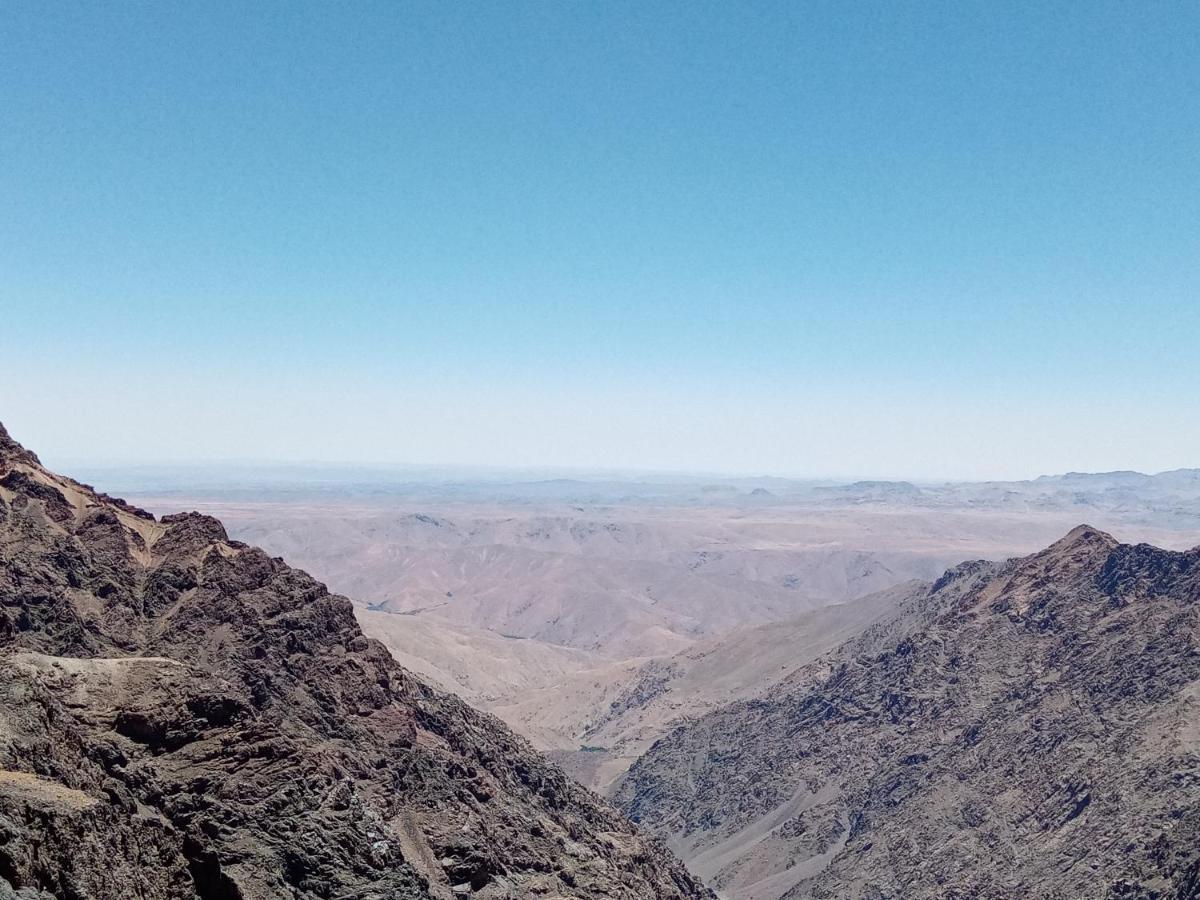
[184, 716]
[1026, 729]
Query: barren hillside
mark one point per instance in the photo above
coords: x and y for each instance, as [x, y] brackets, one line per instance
[1020, 729]
[184, 716]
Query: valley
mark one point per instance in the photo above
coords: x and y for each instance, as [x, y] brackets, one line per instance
[593, 616]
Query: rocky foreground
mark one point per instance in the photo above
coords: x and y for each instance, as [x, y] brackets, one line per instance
[1029, 729]
[183, 716]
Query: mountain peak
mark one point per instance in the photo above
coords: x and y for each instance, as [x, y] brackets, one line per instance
[1082, 536]
[11, 451]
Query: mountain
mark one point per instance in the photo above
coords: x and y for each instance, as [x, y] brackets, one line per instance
[184, 716]
[1019, 729]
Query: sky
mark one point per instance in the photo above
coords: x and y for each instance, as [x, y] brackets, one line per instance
[889, 239]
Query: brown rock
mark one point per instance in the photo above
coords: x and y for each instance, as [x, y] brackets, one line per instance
[182, 716]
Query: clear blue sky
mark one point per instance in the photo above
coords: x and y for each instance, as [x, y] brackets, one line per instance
[923, 239]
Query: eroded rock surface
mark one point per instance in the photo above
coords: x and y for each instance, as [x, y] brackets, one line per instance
[183, 716]
[1029, 729]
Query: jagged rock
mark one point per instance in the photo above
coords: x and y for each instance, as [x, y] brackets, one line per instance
[182, 716]
[1029, 729]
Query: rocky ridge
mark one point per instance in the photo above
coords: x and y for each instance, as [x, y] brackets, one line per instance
[1026, 729]
[183, 716]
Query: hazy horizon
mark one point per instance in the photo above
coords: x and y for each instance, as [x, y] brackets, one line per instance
[421, 472]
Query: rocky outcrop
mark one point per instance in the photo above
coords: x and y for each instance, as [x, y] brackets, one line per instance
[183, 716]
[1029, 729]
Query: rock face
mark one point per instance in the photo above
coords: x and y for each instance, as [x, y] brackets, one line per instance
[183, 716]
[1028, 729]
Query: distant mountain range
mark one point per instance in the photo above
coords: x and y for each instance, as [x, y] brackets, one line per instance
[1168, 499]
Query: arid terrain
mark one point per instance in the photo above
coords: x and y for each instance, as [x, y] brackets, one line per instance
[773, 686]
[594, 614]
